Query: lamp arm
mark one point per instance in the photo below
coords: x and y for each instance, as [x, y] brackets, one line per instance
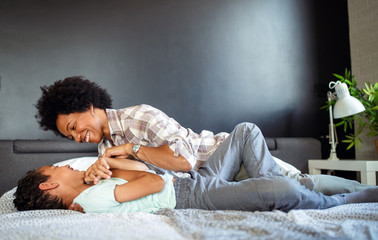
[332, 155]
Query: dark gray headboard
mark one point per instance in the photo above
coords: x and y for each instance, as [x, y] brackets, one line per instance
[19, 156]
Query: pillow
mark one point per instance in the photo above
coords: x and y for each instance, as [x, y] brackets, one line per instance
[6, 202]
[81, 164]
[286, 168]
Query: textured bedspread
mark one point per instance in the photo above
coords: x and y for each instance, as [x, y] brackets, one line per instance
[355, 221]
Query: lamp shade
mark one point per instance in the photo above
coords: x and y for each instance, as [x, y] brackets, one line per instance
[346, 105]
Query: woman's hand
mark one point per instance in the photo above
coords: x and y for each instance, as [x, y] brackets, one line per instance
[98, 171]
[124, 150]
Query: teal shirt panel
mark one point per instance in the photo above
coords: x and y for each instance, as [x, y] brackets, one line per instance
[100, 198]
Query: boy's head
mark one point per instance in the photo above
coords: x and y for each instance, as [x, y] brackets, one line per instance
[49, 187]
[29, 196]
[71, 95]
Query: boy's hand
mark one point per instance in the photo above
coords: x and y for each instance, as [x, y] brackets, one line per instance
[98, 171]
[76, 207]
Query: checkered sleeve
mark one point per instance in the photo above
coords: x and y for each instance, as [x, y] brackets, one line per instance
[163, 130]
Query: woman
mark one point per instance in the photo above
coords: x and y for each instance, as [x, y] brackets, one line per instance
[79, 109]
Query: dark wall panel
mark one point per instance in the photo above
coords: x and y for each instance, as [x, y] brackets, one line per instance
[208, 64]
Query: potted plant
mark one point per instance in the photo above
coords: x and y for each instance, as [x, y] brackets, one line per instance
[367, 120]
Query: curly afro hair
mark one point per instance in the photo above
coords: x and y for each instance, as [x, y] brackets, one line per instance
[73, 94]
[28, 196]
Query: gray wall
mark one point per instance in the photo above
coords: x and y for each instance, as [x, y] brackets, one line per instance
[363, 22]
[208, 64]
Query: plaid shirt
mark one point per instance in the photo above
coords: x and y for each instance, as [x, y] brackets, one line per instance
[148, 126]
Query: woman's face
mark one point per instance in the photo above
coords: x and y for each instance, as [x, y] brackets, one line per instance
[81, 127]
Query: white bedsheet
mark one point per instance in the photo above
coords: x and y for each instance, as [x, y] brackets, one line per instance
[354, 221]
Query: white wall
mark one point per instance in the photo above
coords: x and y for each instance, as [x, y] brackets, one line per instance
[363, 24]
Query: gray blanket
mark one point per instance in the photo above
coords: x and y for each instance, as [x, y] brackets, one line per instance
[354, 221]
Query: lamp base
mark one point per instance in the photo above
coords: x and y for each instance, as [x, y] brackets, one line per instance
[333, 157]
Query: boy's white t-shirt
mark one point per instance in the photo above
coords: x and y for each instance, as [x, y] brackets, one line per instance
[100, 198]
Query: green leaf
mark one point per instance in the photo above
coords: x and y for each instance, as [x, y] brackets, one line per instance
[371, 134]
[338, 76]
[350, 146]
[351, 143]
[358, 142]
[350, 137]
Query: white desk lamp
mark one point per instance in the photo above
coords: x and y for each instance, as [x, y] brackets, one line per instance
[346, 105]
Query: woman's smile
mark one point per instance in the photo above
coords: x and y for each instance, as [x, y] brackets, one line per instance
[86, 137]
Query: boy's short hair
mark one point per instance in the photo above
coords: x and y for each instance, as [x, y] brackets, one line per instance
[73, 94]
[28, 196]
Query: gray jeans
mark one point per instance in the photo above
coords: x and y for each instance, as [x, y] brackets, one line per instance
[212, 187]
[326, 184]
[330, 185]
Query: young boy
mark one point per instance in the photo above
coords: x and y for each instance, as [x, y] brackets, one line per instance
[53, 187]
[211, 188]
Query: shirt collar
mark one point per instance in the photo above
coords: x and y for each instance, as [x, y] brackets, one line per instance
[115, 124]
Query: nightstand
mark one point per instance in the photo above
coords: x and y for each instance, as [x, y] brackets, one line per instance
[367, 168]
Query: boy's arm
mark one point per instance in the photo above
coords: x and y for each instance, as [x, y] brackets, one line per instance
[140, 184]
[126, 164]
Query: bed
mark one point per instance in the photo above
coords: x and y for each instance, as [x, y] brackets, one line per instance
[354, 221]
